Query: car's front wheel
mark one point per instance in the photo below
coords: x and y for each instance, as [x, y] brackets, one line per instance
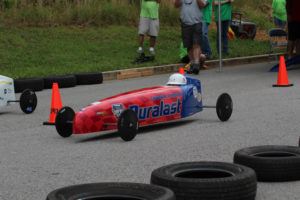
[128, 125]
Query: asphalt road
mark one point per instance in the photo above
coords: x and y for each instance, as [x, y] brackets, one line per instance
[35, 160]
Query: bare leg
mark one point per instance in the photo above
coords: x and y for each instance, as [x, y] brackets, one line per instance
[298, 47]
[290, 48]
[152, 41]
[141, 40]
[196, 52]
[190, 53]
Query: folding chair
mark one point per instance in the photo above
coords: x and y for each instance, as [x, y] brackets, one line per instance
[277, 38]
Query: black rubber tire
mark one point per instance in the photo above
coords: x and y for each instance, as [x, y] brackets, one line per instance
[253, 34]
[243, 36]
[62, 81]
[271, 163]
[63, 120]
[112, 191]
[128, 125]
[224, 107]
[207, 180]
[36, 84]
[87, 78]
[28, 101]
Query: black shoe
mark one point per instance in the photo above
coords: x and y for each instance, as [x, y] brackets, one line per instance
[195, 68]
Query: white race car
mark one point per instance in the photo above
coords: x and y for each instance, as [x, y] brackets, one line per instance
[28, 99]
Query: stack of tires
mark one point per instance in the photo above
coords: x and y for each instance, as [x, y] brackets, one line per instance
[190, 181]
[71, 80]
[272, 163]
[200, 180]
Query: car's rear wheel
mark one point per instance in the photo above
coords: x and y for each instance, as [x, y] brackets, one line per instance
[224, 107]
[128, 125]
[64, 121]
[28, 101]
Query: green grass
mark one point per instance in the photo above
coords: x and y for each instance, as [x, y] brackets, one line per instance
[47, 37]
[34, 52]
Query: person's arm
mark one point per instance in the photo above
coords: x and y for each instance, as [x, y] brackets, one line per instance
[271, 12]
[223, 2]
[177, 3]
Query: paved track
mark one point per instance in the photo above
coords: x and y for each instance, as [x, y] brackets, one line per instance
[35, 160]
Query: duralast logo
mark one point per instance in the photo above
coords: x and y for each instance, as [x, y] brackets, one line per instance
[163, 109]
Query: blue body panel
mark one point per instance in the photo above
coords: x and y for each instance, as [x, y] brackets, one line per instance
[191, 97]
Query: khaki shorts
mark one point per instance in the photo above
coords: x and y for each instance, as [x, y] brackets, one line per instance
[148, 26]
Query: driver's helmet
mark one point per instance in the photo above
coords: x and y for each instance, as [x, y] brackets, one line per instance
[177, 79]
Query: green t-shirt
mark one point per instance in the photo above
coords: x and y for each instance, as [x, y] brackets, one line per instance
[225, 12]
[207, 12]
[149, 9]
[279, 10]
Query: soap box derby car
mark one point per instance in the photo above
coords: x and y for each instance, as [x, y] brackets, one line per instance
[126, 112]
[28, 99]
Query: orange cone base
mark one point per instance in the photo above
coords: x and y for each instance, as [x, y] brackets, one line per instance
[181, 70]
[56, 104]
[49, 123]
[289, 85]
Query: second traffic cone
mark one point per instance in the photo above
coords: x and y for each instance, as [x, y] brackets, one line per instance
[282, 80]
[56, 104]
[181, 70]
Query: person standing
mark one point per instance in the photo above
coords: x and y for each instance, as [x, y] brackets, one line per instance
[278, 11]
[207, 15]
[149, 23]
[225, 22]
[191, 29]
[293, 18]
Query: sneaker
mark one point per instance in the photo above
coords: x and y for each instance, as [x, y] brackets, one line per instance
[204, 67]
[195, 68]
[139, 51]
[152, 53]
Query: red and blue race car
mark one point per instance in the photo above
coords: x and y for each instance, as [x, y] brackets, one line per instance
[126, 112]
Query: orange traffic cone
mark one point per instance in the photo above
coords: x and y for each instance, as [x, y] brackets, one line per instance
[56, 104]
[181, 70]
[282, 80]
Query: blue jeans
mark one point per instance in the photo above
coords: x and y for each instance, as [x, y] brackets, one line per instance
[279, 22]
[205, 47]
[224, 35]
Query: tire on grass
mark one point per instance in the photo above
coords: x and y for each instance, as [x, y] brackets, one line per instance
[36, 84]
[62, 81]
[271, 163]
[207, 180]
[112, 191]
[86, 78]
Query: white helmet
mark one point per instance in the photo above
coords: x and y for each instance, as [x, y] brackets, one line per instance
[177, 79]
